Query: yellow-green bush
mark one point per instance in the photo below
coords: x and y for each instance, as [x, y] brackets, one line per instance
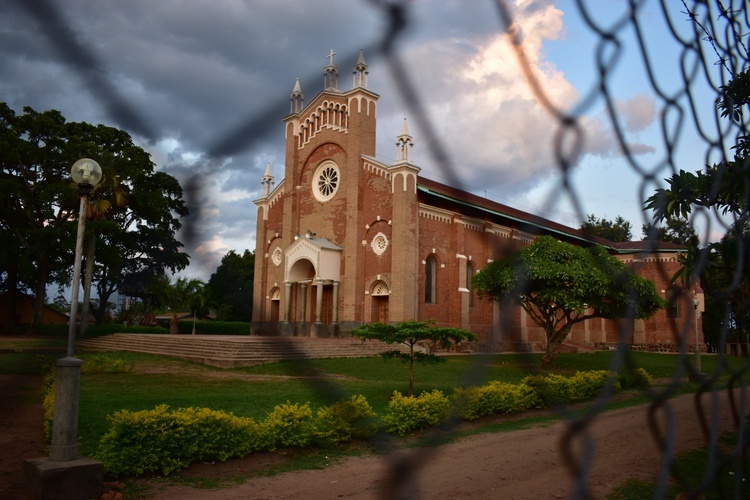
[163, 440]
[105, 364]
[556, 389]
[406, 414]
[288, 425]
[634, 378]
[588, 385]
[166, 441]
[493, 398]
[48, 403]
[345, 420]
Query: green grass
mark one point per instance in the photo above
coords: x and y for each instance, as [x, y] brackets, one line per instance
[189, 384]
[254, 391]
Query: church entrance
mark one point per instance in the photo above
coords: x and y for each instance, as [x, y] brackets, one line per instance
[379, 297]
[380, 309]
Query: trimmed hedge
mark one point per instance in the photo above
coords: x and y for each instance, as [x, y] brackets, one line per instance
[406, 414]
[493, 399]
[164, 441]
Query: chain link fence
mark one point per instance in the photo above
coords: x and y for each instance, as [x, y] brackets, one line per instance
[713, 51]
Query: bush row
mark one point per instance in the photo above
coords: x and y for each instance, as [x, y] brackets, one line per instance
[166, 441]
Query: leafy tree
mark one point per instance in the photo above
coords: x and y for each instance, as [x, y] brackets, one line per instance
[723, 188]
[677, 230]
[409, 333]
[175, 297]
[230, 288]
[617, 230]
[37, 213]
[559, 285]
[133, 214]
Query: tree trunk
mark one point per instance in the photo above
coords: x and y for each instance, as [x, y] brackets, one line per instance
[90, 250]
[411, 371]
[173, 325]
[554, 340]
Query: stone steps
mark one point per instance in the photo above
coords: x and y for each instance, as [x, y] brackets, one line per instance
[228, 351]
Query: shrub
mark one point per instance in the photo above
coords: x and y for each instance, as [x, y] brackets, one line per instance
[345, 420]
[493, 398]
[634, 378]
[160, 440]
[48, 403]
[555, 389]
[185, 327]
[406, 414]
[549, 390]
[588, 385]
[111, 328]
[288, 425]
[105, 364]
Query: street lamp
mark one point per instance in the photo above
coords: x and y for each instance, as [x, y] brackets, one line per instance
[86, 173]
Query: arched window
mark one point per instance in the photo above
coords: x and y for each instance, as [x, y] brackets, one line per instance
[430, 282]
[469, 274]
[673, 302]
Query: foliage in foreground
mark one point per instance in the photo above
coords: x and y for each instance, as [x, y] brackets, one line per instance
[161, 440]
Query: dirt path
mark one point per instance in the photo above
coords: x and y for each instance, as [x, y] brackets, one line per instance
[525, 464]
[21, 429]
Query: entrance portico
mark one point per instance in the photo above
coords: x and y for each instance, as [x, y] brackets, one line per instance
[311, 287]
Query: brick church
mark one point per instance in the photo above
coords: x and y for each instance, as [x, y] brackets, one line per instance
[344, 238]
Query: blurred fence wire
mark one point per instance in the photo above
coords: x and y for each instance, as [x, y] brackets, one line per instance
[712, 55]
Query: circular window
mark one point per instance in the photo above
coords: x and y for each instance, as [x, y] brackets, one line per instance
[379, 243]
[326, 181]
[276, 256]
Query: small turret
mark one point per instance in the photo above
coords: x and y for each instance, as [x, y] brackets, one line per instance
[267, 181]
[331, 74]
[360, 71]
[296, 99]
[404, 144]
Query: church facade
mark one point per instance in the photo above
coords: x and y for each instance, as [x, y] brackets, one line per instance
[345, 239]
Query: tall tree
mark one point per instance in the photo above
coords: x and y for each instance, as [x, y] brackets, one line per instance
[230, 288]
[37, 213]
[559, 285]
[617, 230]
[134, 213]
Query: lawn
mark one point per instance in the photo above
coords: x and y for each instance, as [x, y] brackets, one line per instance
[254, 391]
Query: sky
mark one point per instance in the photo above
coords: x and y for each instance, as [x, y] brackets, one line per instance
[204, 86]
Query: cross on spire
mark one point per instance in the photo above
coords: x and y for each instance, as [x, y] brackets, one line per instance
[330, 57]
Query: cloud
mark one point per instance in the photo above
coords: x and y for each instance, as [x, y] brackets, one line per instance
[211, 80]
[496, 130]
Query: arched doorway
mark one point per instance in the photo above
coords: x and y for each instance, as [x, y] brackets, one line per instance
[379, 296]
[311, 280]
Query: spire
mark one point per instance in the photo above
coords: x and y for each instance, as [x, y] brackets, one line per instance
[404, 145]
[267, 181]
[331, 74]
[360, 71]
[296, 99]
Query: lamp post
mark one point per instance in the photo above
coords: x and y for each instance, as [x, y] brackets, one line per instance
[86, 173]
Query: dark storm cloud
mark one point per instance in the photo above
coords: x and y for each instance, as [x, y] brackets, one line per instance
[204, 86]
